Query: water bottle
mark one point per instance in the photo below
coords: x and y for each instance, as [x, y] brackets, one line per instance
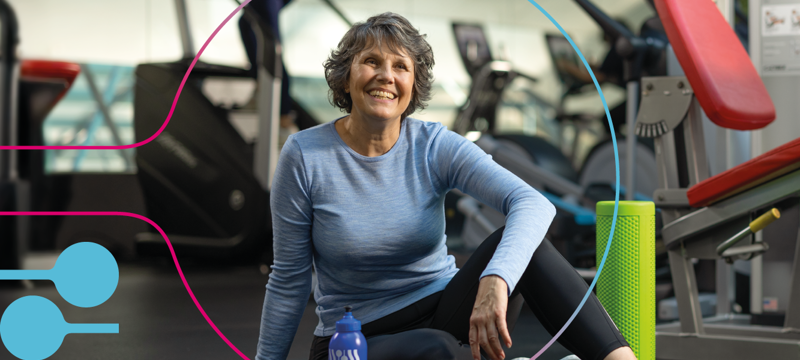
[348, 343]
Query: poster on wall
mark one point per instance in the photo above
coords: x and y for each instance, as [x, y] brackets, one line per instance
[780, 20]
[780, 35]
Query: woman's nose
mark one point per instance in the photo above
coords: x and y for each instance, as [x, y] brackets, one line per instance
[385, 73]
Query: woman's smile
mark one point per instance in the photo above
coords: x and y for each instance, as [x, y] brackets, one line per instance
[381, 95]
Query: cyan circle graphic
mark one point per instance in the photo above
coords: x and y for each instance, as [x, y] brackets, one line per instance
[616, 194]
[86, 274]
[32, 328]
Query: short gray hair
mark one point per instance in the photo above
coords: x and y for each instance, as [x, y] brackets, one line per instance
[398, 34]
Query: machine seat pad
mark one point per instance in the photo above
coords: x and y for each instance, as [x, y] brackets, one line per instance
[47, 70]
[779, 161]
[722, 76]
[50, 69]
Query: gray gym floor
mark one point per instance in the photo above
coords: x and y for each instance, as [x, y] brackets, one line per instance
[157, 319]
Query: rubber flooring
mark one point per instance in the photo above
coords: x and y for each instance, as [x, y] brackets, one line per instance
[158, 320]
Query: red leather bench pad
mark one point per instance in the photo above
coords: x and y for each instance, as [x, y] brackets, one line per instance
[770, 165]
[723, 78]
[50, 69]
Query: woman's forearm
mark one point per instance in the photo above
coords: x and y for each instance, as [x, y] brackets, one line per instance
[280, 316]
[528, 218]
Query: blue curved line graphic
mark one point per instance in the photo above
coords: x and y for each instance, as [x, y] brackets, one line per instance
[616, 194]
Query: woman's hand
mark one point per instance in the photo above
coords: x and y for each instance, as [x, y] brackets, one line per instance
[487, 325]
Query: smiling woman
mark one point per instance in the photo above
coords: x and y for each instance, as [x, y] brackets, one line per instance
[381, 84]
[380, 74]
[387, 32]
[380, 88]
[361, 200]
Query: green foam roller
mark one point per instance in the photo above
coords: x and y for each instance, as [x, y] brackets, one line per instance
[627, 283]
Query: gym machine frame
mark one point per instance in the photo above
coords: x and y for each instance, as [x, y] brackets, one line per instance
[671, 113]
[489, 78]
[29, 90]
[13, 190]
[642, 56]
[249, 183]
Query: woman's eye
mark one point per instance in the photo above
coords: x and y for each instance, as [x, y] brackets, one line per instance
[370, 61]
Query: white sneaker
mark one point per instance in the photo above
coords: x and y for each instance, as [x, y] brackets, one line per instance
[570, 357]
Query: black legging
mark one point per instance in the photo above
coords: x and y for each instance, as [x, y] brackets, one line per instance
[437, 327]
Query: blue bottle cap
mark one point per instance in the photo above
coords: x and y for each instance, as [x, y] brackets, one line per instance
[348, 322]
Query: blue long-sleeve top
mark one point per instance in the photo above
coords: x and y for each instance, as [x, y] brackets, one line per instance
[373, 227]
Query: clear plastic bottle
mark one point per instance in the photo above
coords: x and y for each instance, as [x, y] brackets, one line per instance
[348, 343]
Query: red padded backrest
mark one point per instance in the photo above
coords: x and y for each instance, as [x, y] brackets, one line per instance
[724, 80]
[50, 70]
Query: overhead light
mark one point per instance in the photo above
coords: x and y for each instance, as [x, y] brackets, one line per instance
[499, 65]
[473, 135]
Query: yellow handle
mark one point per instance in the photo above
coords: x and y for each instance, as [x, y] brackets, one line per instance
[764, 220]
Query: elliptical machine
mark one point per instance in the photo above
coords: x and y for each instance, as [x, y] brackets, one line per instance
[203, 182]
[533, 158]
[643, 55]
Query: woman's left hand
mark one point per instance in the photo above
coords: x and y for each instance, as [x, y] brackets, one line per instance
[487, 325]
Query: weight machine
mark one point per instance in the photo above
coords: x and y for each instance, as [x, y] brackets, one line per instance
[707, 217]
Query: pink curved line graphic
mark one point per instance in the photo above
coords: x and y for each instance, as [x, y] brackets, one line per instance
[151, 222]
[163, 126]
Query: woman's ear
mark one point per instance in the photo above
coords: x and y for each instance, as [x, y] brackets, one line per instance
[347, 78]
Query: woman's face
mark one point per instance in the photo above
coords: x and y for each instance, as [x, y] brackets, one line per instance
[381, 83]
